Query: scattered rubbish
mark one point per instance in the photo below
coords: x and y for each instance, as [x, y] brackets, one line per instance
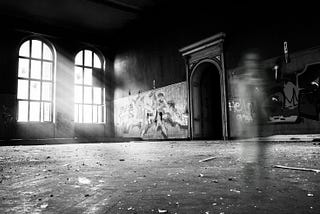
[297, 168]
[234, 190]
[207, 212]
[207, 159]
[168, 195]
[162, 211]
[177, 203]
[310, 195]
[214, 204]
[200, 175]
[83, 180]
[43, 206]
[121, 159]
[130, 208]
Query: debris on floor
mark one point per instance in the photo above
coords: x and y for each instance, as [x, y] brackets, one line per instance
[207, 159]
[162, 211]
[234, 190]
[83, 180]
[297, 168]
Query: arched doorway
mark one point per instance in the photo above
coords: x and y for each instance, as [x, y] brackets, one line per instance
[207, 88]
[206, 102]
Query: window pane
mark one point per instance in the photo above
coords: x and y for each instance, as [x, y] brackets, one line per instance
[97, 95]
[100, 110]
[47, 71]
[23, 68]
[36, 49]
[35, 90]
[78, 75]
[23, 86]
[76, 112]
[87, 95]
[35, 69]
[88, 58]
[104, 96]
[34, 111]
[88, 76]
[47, 53]
[23, 111]
[80, 113]
[87, 114]
[78, 94]
[46, 112]
[46, 91]
[25, 49]
[96, 61]
[95, 114]
[78, 59]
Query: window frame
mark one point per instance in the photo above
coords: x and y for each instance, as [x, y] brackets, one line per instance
[30, 79]
[97, 81]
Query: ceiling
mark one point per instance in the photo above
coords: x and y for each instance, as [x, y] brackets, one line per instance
[103, 16]
[103, 19]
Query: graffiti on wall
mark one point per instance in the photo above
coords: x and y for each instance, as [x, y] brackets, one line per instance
[160, 113]
[282, 102]
[290, 98]
[295, 96]
[242, 110]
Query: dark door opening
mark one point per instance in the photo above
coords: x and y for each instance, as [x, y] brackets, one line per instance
[206, 102]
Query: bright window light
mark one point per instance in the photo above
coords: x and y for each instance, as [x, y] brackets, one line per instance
[35, 82]
[47, 71]
[25, 49]
[35, 69]
[88, 95]
[23, 68]
[36, 49]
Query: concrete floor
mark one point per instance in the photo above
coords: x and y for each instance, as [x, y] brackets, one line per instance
[160, 177]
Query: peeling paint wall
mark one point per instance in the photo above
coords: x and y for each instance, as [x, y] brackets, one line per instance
[155, 114]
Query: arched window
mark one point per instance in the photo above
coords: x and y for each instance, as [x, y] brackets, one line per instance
[89, 92]
[35, 81]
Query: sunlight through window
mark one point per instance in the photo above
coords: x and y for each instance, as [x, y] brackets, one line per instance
[89, 93]
[35, 82]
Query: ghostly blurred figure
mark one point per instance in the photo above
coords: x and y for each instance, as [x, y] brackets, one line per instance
[248, 88]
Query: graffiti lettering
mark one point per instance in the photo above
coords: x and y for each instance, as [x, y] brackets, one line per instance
[242, 110]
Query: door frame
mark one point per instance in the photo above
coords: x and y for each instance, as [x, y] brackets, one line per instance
[209, 50]
[195, 79]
